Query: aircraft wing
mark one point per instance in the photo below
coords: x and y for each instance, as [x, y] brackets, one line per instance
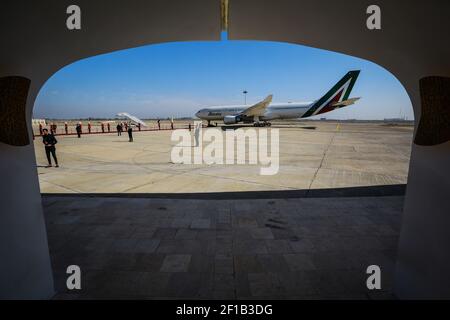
[259, 108]
[132, 118]
[345, 102]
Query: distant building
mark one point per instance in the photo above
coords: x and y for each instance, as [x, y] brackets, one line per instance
[394, 119]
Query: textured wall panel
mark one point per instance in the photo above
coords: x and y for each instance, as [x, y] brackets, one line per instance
[13, 100]
[434, 125]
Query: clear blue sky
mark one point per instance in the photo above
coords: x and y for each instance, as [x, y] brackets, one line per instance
[177, 79]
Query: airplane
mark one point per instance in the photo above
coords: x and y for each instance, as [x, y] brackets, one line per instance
[262, 112]
[135, 120]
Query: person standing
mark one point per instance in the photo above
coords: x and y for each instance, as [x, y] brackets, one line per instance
[159, 124]
[119, 129]
[49, 141]
[130, 134]
[78, 128]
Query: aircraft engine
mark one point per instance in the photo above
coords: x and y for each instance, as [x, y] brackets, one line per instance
[231, 119]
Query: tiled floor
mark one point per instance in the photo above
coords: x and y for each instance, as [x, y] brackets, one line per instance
[310, 248]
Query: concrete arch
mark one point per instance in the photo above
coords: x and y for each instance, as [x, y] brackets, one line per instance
[38, 44]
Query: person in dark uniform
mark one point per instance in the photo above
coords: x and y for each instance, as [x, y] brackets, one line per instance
[49, 141]
[78, 128]
[130, 134]
[119, 129]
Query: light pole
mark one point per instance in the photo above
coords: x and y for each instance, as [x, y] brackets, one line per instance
[245, 96]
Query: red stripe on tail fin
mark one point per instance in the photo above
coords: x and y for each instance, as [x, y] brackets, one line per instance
[329, 106]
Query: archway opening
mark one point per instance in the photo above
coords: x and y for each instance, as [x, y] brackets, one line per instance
[334, 204]
[365, 144]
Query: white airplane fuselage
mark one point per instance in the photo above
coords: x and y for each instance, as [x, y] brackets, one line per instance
[264, 111]
[291, 110]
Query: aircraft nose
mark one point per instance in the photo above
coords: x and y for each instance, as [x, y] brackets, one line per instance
[198, 114]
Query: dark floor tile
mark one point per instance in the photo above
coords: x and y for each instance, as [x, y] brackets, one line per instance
[247, 263]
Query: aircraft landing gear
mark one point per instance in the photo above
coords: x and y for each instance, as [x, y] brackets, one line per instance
[262, 124]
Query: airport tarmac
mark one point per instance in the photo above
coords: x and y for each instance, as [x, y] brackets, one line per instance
[313, 155]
